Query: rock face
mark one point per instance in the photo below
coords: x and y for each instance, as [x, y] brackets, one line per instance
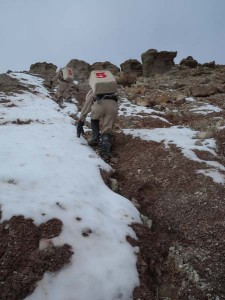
[203, 90]
[210, 64]
[181, 242]
[81, 69]
[157, 62]
[105, 66]
[182, 259]
[126, 79]
[189, 62]
[132, 66]
[43, 68]
[175, 85]
[9, 84]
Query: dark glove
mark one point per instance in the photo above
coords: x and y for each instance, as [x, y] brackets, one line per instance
[80, 129]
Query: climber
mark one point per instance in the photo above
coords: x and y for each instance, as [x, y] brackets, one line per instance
[102, 102]
[65, 77]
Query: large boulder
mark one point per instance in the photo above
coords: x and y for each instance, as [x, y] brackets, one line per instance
[43, 68]
[189, 62]
[126, 79]
[155, 62]
[105, 66]
[132, 66]
[203, 90]
[211, 64]
[81, 69]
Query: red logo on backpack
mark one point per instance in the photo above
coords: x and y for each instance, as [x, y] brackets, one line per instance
[101, 75]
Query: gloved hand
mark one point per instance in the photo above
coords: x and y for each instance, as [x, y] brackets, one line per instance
[80, 129]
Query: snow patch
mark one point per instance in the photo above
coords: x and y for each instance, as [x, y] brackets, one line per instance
[183, 138]
[126, 108]
[214, 174]
[206, 109]
[47, 172]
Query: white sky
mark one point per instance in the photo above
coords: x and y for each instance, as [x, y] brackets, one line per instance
[99, 30]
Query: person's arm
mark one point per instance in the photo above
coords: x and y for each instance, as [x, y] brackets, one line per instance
[85, 110]
[57, 75]
[87, 106]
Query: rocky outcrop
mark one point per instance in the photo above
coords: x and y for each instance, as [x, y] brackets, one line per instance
[81, 69]
[132, 66]
[105, 66]
[189, 62]
[210, 64]
[125, 79]
[43, 68]
[10, 85]
[186, 261]
[203, 91]
[155, 62]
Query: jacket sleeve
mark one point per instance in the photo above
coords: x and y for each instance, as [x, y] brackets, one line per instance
[87, 106]
[57, 76]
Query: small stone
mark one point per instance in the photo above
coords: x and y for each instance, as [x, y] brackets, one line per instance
[204, 135]
[135, 202]
[146, 221]
[113, 184]
[86, 232]
[198, 143]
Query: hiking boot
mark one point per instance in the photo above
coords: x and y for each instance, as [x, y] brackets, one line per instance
[60, 102]
[94, 141]
[69, 99]
[106, 145]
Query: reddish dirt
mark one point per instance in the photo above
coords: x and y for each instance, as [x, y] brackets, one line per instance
[22, 263]
[187, 210]
[181, 255]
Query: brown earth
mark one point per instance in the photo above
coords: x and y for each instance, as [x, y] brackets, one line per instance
[181, 240]
[182, 255]
[26, 253]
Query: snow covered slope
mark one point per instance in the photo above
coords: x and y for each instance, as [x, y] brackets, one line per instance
[56, 175]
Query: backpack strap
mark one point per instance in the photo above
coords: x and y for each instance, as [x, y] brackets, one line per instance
[111, 96]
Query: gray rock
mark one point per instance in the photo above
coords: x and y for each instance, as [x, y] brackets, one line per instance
[82, 69]
[43, 68]
[210, 65]
[113, 183]
[204, 135]
[189, 62]
[135, 202]
[105, 66]
[146, 221]
[202, 91]
[132, 66]
[157, 62]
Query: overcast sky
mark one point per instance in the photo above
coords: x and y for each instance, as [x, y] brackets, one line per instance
[115, 30]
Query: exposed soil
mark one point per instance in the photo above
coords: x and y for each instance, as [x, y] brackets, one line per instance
[181, 240]
[26, 253]
[181, 256]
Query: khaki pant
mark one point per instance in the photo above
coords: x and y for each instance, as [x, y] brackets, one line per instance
[63, 90]
[106, 111]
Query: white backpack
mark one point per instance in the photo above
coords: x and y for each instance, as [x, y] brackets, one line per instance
[68, 73]
[103, 82]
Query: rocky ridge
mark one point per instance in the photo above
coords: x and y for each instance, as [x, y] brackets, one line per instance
[181, 240]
